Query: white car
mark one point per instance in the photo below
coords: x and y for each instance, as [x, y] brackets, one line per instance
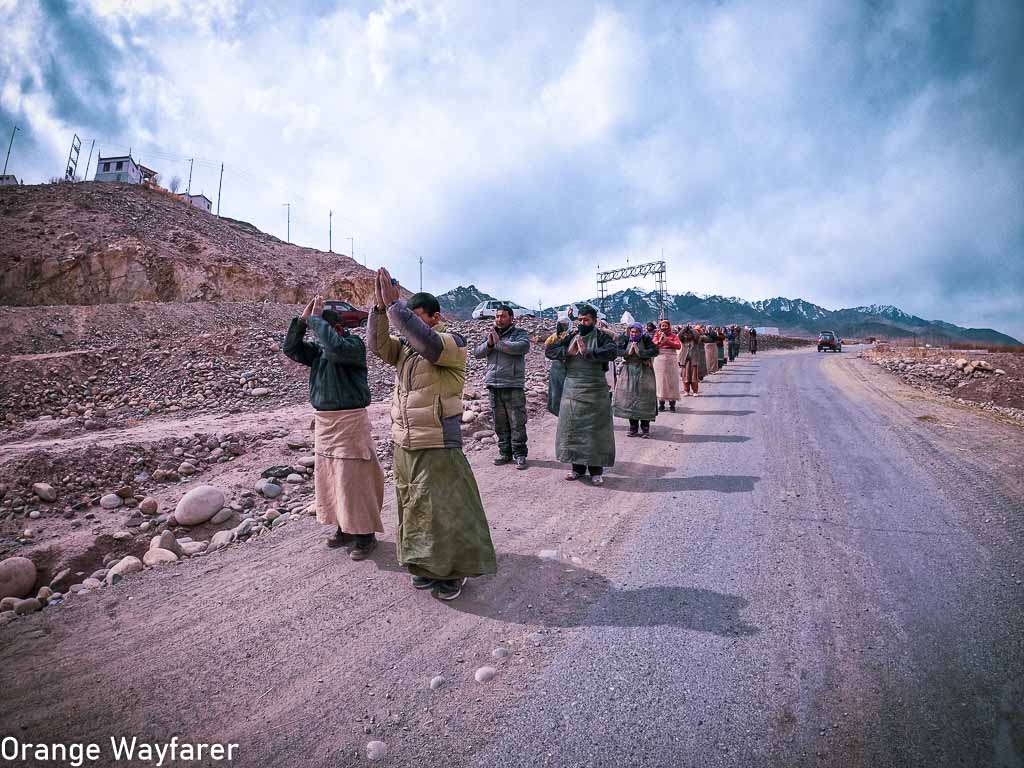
[487, 309]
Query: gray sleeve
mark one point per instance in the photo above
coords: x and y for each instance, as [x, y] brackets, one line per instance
[418, 334]
[517, 345]
[481, 350]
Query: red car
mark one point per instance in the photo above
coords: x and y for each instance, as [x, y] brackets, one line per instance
[350, 316]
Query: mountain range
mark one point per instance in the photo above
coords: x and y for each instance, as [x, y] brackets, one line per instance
[791, 316]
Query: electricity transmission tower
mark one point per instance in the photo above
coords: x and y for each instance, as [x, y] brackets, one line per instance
[656, 268]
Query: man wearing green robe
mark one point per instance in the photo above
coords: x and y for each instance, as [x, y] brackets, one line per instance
[585, 437]
[443, 537]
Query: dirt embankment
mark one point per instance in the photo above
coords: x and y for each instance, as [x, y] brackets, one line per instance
[101, 243]
[993, 381]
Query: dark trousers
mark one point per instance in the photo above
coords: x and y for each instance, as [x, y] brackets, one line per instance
[581, 469]
[641, 424]
[509, 407]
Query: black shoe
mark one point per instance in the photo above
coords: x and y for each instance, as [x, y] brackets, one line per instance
[631, 433]
[339, 539]
[672, 407]
[645, 435]
[448, 589]
[520, 462]
[661, 405]
[423, 582]
[363, 547]
[502, 461]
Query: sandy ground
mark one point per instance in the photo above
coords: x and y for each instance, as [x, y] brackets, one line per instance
[812, 564]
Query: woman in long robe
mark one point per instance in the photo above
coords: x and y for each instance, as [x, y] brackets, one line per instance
[636, 396]
[666, 368]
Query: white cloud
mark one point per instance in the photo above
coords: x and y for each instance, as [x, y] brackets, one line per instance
[821, 150]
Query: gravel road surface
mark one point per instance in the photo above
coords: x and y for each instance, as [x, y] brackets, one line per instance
[810, 564]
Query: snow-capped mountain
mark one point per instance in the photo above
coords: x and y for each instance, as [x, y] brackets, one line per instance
[792, 316]
[460, 302]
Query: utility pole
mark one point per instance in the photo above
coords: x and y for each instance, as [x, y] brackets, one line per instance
[289, 207]
[219, 185]
[330, 228]
[421, 274]
[89, 161]
[10, 144]
[352, 250]
[188, 191]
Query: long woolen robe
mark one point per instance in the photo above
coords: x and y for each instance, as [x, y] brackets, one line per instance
[636, 395]
[585, 433]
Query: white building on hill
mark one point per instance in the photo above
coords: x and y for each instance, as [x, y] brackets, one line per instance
[202, 202]
[768, 330]
[122, 168]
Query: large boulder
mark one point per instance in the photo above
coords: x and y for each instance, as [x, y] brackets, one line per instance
[199, 505]
[17, 577]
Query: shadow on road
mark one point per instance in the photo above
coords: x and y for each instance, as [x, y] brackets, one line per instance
[716, 483]
[703, 395]
[625, 468]
[554, 592]
[699, 412]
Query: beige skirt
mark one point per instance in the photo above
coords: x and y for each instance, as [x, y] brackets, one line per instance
[711, 353]
[347, 477]
[666, 374]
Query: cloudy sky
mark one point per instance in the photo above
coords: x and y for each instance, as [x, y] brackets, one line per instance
[839, 152]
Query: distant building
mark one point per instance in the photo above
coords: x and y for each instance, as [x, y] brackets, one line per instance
[767, 330]
[201, 202]
[122, 168]
[8, 179]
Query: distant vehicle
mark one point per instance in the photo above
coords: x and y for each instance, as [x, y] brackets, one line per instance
[829, 341]
[572, 312]
[350, 316]
[487, 309]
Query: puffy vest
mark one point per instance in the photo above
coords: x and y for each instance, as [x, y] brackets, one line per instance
[427, 394]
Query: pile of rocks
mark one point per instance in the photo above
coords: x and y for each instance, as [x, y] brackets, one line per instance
[971, 381]
[44, 483]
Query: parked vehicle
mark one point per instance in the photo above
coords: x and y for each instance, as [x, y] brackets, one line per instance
[350, 316]
[488, 309]
[829, 341]
[572, 312]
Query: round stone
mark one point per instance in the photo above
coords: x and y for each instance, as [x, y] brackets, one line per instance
[485, 674]
[44, 491]
[122, 568]
[149, 506]
[17, 577]
[111, 501]
[376, 750]
[500, 653]
[436, 682]
[154, 557]
[24, 607]
[199, 505]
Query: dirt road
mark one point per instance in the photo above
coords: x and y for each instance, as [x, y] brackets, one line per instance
[809, 565]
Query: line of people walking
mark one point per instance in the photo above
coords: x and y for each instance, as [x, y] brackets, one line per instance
[443, 537]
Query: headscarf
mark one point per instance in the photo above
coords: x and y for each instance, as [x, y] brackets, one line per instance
[635, 327]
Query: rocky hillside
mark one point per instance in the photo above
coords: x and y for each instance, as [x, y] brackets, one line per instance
[101, 243]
